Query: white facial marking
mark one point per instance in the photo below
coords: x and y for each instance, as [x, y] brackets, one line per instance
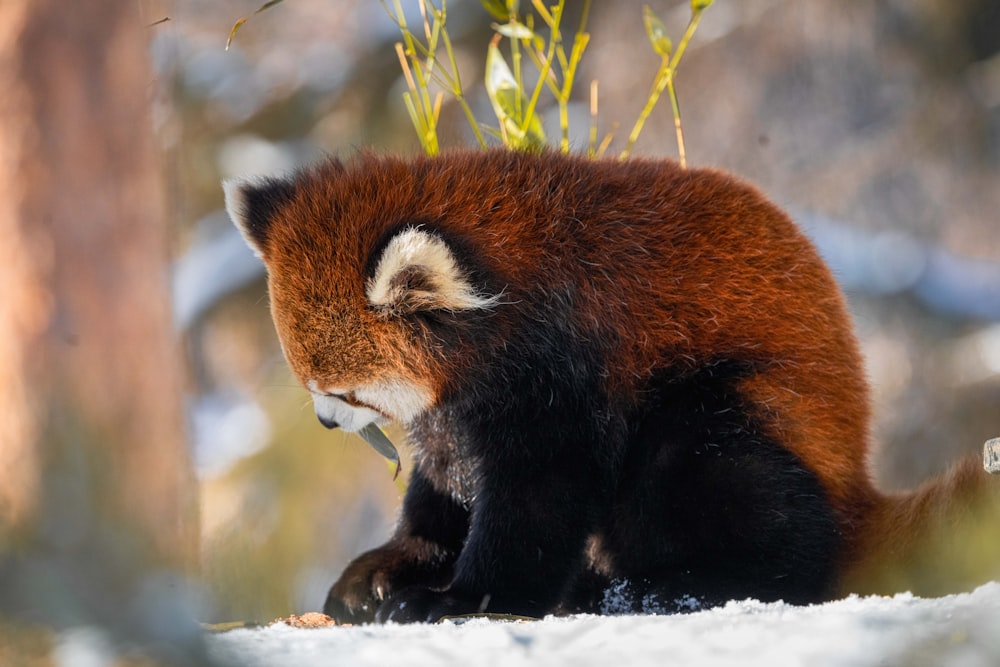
[392, 400]
[399, 399]
[331, 409]
[448, 289]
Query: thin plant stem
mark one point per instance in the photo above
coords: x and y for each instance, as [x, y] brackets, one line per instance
[418, 55]
[421, 104]
[665, 80]
[688, 33]
[579, 45]
[662, 78]
[603, 148]
[419, 67]
[543, 10]
[459, 92]
[515, 58]
[592, 139]
[543, 74]
[681, 154]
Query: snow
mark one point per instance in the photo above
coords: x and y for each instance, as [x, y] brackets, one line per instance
[953, 631]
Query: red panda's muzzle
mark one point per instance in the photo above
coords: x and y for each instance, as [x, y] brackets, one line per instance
[332, 410]
[327, 422]
[335, 411]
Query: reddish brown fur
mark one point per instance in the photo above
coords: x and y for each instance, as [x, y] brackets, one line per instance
[675, 304]
[723, 274]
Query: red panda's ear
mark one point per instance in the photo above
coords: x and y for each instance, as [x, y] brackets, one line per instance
[252, 204]
[417, 271]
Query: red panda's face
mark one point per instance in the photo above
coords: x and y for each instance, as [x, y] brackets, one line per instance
[343, 297]
[354, 363]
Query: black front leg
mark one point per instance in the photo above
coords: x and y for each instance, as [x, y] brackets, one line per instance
[536, 503]
[422, 552]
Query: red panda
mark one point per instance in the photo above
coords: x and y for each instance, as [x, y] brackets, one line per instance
[617, 377]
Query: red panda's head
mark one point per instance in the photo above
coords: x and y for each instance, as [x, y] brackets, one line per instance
[347, 273]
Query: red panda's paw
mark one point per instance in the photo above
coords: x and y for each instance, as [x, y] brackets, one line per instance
[356, 612]
[366, 582]
[351, 601]
[376, 575]
[423, 605]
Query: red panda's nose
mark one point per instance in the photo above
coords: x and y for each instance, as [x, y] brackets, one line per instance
[327, 422]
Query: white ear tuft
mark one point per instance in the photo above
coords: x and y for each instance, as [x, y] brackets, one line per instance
[418, 271]
[236, 207]
[252, 204]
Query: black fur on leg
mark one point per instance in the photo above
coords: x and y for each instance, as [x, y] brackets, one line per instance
[709, 509]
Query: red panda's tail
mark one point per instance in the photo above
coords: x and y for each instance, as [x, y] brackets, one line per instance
[942, 538]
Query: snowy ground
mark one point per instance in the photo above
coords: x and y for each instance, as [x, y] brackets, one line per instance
[953, 631]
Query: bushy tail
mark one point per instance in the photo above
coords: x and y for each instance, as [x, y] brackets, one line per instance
[942, 538]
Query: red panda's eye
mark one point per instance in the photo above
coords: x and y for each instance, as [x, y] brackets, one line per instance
[346, 398]
[349, 399]
[330, 394]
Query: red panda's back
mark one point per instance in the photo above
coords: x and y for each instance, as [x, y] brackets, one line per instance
[673, 268]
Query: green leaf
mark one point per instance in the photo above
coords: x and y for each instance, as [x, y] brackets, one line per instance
[426, 133]
[700, 5]
[514, 30]
[374, 436]
[496, 8]
[656, 32]
[501, 87]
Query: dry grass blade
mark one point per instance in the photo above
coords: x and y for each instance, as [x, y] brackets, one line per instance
[239, 23]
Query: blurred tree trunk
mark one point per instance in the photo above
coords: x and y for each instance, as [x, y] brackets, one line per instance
[92, 447]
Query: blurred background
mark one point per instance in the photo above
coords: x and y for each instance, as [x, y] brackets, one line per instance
[876, 123]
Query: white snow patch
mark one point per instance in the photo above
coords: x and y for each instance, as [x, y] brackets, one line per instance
[953, 631]
[620, 599]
